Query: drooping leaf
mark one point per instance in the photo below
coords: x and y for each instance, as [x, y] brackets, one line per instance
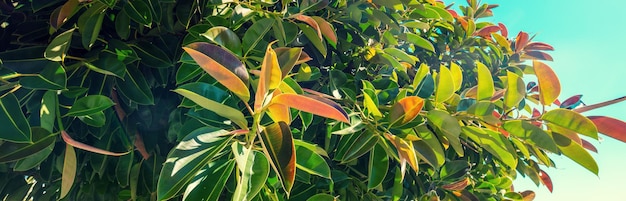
[209, 183]
[57, 49]
[549, 85]
[308, 160]
[571, 120]
[188, 157]
[531, 134]
[67, 139]
[485, 82]
[89, 104]
[444, 83]
[449, 126]
[196, 92]
[378, 166]
[221, 65]
[545, 179]
[15, 126]
[610, 127]
[405, 152]
[515, 90]
[575, 152]
[270, 78]
[254, 168]
[278, 144]
[312, 104]
[69, 171]
[405, 110]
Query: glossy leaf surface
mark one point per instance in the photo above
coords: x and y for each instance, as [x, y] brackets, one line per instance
[549, 85]
[16, 127]
[278, 142]
[312, 104]
[571, 120]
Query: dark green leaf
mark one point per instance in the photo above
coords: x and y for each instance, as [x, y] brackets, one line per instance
[15, 128]
[135, 87]
[187, 72]
[309, 161]
[151, 55]
[206, 96]
[188, 157]
[57, 49]
[321, 196]
[90, 24]
[429, 148]
[255, 33]
[16, 151]
[378, 166]
[139, 11]
[33, 160]
[89, 105]
[108, 64]
[97, 119]
[313, 37]
[123, 167]
[52, 77]
[122, 24]
[122, 51]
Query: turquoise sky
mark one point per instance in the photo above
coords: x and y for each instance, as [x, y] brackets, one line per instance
[589, 41]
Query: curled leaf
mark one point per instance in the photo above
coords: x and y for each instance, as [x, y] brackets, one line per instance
[67, 139]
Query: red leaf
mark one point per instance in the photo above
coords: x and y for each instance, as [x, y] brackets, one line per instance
[599, 105]
[545, 179]
[326, 29]
[537, 55]
[521, 41]
[536, 112]
[311, 22]
[453, 13]
[66, 11]
[538, 46]
[610, 127]
[587, 145]
[503, 30]
[486, 31]
[571, 102]
[141, 147]
[313, 104]
[85, 147]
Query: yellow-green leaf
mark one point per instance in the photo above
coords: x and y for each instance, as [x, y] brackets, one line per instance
[485, 82]
[549, 85]
[220, 109]
[370, 104]
[576, 152]
[457, 75]
[278, 145]
[69, 171]
[221, 65]
[530, 134]
[494, 143]
[405, 110]
[313, 104]
[405, 152]
[270, 78]
[515, 91]
[571, 120]
[445, 86]
[449, 126]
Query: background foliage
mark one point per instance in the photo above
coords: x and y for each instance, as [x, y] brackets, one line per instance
[276, 100]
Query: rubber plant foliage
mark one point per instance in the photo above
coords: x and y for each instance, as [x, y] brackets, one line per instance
[279, 100]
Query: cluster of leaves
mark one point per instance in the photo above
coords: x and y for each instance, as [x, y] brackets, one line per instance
[276, 100]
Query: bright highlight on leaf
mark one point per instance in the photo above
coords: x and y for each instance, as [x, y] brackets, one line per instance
[313, 104]
[445, 85]
[485, 82]
[69, 171]
[405, 110]
[571, 120]
[515, 91]
[221, 65]
[549, 85]
[270, 78]
[405, 152]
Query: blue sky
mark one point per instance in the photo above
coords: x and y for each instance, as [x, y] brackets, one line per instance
[589, 40]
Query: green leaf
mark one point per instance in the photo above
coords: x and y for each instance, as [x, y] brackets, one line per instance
[278, 144]
[16, 151]
[255, 34]
[89, 105]
[135, 87]
[353, 146]
[312, 104]
[253, 172]
[151, 55]
[494, 143]
[35, 159]
[308, 160]
[122, 51]
[429, 148]
[449, 126]
[401, 55]
[314, 38]
[445, 86]
[370, 101]
[197, 92]
[15, 128]
[418, 41]
[48, 110]
[69, 171]
[188, 157]
[515, 91]
[123, 168]
[531, 134]
[97, 119]
[321, 197]
[549, 85]
[108, 64]
[225, 38]
[575, 152]
[485, 82]
[571, 120]
[223, 66]
[457, 75]
[91, 24]
[122, 25]
[57, 48]
[187, 72]
[209, 183]
[139, 12]
[52, 77]
[378, 166]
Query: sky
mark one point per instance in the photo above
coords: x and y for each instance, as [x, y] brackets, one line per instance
[589, 39]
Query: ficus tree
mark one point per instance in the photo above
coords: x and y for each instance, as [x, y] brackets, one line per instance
[279, 100]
